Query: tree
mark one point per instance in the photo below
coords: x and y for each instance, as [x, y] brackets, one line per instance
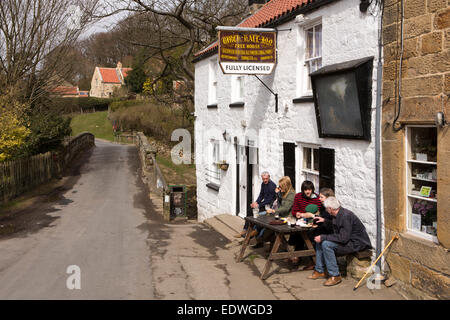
[171, 31]
[136, 77]
[47, 132]
[13, 131]
[35, 39]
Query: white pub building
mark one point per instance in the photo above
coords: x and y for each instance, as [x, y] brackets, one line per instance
[312, 118]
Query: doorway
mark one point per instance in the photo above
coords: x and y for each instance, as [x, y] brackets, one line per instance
[289, 161]
[246, 157]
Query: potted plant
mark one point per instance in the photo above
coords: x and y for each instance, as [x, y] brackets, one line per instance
[223, 165]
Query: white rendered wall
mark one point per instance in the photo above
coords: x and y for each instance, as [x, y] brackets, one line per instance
[347, 34]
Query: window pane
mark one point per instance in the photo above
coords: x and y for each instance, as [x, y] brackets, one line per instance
[215, 152]
[307, 158]
[424, 216]
[423, 144]
[309, 43]
[314, 179]
[319, 63]
[309, 69]
[318, 40]
[314, 66]
[316, 159]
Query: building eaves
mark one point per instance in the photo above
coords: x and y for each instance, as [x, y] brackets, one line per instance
[264, 18]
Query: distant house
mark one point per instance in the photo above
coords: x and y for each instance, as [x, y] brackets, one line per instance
[105, 80]
[66, 92]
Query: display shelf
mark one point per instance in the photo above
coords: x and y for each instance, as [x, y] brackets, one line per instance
[422, 198]
[421, 179]
[422, 162]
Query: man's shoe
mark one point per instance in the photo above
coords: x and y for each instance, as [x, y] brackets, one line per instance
[241, 234]
[317, 275]
[333, 281]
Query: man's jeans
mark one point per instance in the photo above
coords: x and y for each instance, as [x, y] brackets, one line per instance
[258, 228]
[325, 256]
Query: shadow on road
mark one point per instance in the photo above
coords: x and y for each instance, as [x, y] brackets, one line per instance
[23, 222]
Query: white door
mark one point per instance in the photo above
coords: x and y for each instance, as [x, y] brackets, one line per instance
[243, 182]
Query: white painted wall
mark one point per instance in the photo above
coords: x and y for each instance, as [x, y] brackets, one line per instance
[347, 34]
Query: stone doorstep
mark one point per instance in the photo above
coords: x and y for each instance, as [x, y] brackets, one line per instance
[234, 222]
[221, 228]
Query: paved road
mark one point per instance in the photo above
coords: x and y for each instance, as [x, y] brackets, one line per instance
[97, 224]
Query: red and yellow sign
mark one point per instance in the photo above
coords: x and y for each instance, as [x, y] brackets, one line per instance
[246, 52]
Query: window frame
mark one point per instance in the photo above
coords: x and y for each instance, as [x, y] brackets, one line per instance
[237, 89]
[213, 172]
[303, 79]
[213, 82]
[305, 172]
[408, 181]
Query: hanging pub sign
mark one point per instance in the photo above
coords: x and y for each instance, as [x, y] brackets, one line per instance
[247, 51]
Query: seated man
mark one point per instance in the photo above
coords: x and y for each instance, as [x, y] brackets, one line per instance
[349, 236]
[267, 196]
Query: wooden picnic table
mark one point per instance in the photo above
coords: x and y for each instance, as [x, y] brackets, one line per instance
[281, 231]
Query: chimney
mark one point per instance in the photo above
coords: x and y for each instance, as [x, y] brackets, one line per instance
[255, 5]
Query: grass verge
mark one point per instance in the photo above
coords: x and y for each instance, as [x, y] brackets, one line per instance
[176, 174]
[96, 123]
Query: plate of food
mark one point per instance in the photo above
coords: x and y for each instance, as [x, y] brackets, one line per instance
[301, 223]
[278, 222]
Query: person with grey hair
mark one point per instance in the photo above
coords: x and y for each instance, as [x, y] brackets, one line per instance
[349, 235]
[267, 196]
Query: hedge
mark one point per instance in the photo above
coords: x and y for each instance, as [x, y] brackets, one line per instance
[73, 105]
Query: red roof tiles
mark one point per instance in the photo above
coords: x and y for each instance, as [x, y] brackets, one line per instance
[65, 91]
[109, 75]
[270, 12]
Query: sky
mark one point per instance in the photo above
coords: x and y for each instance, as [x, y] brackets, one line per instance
[104, 25]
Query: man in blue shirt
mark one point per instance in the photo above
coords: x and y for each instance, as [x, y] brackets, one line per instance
[267, 196]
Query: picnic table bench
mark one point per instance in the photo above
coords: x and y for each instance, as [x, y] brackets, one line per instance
[281, 231]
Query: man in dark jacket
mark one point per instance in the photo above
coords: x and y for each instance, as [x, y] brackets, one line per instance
[267, 196]
[349, 236]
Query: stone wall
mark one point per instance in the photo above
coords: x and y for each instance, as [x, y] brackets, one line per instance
[425, 87]
[158, 186]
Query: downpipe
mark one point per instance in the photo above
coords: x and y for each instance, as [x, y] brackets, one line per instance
[378, 144]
